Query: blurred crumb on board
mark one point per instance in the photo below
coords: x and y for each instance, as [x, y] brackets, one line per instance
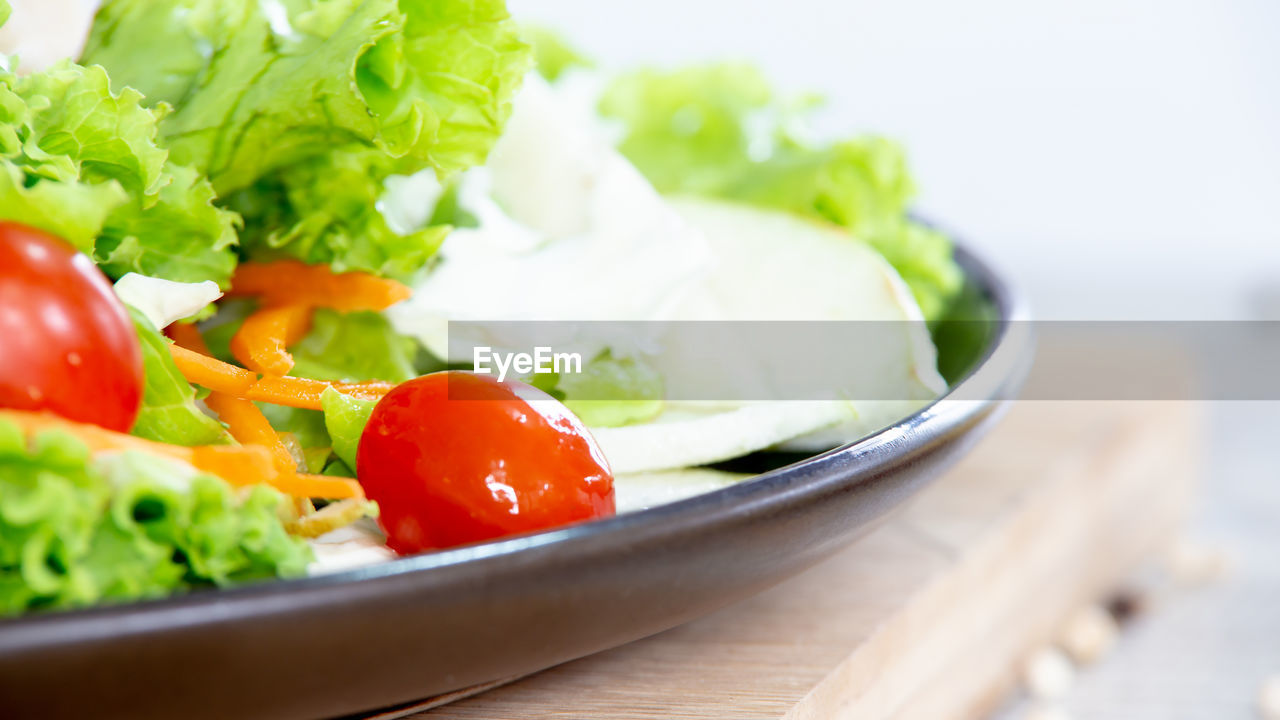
[1048, 674]
[1089, 634]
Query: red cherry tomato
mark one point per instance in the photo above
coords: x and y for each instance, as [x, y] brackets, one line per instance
[454, 458]
[66, 342]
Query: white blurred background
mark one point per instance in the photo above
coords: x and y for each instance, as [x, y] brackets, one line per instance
[1120, 157]
[1121, 160]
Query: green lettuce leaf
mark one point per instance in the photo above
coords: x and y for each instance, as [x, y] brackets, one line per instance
[308, 430]
[345, 418]
[307, 426]
[609, 392]
[326, 209]
[552, 53]
[83, 163]
[77, 530]
[613, 391]
[303, 108]
[177, 235]
[169, 413]
[719, 131]
[688, 131]
[351, 347]
[72, 210]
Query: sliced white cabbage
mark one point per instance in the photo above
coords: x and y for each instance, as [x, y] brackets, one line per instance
[42, 32]
[775, 266]
[165, 301]
[637, 491]
[569, 230]
[772, 266]
[686, 434]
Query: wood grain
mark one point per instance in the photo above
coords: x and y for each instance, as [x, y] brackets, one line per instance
[926, 617]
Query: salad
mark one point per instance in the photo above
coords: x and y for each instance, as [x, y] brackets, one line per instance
[249, 250]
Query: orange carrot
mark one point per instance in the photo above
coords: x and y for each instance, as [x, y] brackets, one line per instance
[319, 486]
[261, 342]
[239, 465]
[96, 438]
[247, 465]
[291, 281]
[211, 372]
[368, 390]
[187, 335]
[279, 390]
[305, 393]
[249, 426]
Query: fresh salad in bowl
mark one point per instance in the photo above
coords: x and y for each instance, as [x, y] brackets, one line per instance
[247, 248]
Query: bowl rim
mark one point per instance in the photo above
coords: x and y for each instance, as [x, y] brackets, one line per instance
[992, 379]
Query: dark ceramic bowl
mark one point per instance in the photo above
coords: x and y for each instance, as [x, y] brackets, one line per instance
[420, 626]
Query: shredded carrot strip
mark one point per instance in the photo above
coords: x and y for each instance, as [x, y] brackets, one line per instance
[291, 281]
[248, 425]
[320, 486]
[305, 393]
[367, 390]
[265, 469]
[211, 372]
[187, 335]
[237, 464]
[263, 339]
[283, 390]
[96, 438]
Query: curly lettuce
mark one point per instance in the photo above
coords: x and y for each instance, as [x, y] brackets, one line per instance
[76, 530]
[84, 163]
[328, 210]
[298, 110]
[719, 131]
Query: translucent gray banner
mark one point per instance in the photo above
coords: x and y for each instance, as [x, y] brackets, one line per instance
[893, 361]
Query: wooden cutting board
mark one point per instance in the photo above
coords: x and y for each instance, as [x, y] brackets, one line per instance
[927, 617]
